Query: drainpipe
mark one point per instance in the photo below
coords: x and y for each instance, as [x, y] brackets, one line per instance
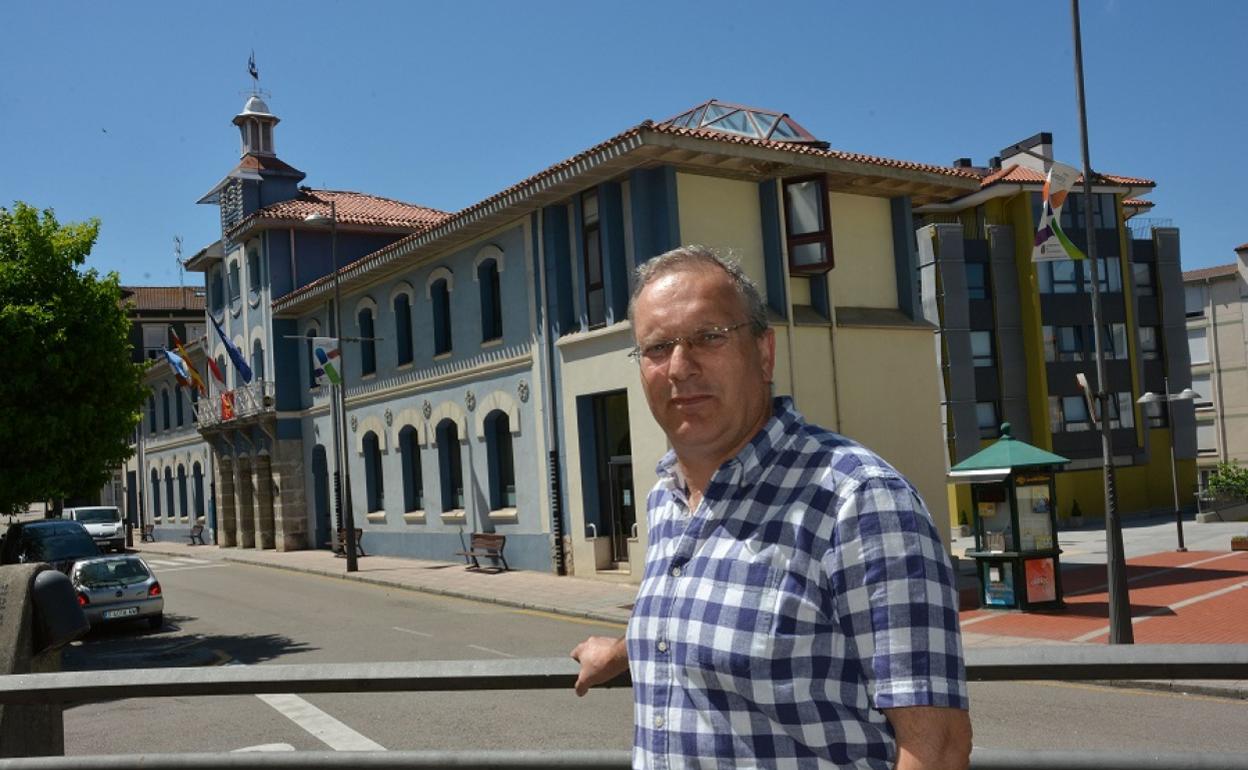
[552, 457]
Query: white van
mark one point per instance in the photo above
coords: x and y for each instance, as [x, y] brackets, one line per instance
[103, 523]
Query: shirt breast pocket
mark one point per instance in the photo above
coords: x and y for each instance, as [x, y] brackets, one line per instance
[729, 631]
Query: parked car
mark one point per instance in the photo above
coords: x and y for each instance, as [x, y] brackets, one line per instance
[58, 542]
[103, 523]
[118, 588]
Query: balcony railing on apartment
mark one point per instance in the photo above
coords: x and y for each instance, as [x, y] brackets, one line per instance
[1142, 227]
[1038, 663]
[252, 399]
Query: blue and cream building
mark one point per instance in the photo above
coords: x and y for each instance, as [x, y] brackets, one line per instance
[488, 386]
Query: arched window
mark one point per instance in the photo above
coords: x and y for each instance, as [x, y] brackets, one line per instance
[500, 459]
[216, 290]
[253, 275]
[182, 507]
[311, 333]
[440, 293]
[491, 301]
[257, 360]
[197, 489]
[221, 368]
[164, 409]
[450, 466]
[373, 479]
[155, 497]
[151, 415]
[235, 285]
[169, 493]
[403, 328]
[368, 348]
[177, 410]
[413, 482]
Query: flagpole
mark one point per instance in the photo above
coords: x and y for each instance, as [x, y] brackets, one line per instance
[1120, 631]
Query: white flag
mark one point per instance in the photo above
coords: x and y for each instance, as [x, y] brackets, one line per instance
[326, 364]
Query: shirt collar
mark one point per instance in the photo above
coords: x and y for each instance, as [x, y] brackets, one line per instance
[747, 465]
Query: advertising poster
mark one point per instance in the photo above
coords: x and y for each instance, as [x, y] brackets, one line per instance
[1041, 582]
[999, 585]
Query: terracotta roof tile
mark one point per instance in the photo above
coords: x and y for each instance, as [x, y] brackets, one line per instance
[353, 209]
[1138, 203]
[1218, 271]
[163, 297]
[1021, 174]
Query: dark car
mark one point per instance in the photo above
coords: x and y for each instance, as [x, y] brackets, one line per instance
[55, 541]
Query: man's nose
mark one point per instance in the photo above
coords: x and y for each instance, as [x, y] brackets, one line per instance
[683, 361]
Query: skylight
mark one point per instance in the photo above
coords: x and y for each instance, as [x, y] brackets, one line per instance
[744, 121]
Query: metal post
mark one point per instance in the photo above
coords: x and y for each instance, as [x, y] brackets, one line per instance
[1174, 474]
[352, 565]
[1120, 631]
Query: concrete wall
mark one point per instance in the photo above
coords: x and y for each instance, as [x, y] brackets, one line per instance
[723, 214]
[862, 242]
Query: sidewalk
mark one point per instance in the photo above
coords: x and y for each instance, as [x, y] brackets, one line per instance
[1200, 596]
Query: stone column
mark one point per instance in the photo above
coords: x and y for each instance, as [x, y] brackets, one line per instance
[290, 507]
[227, 504]
[264, 502]
[246, 504]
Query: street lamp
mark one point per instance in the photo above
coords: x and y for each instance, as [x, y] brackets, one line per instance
[1187, 394]
[340, 425]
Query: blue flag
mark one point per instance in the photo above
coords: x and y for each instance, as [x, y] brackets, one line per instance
[181, 373]
[236, 355]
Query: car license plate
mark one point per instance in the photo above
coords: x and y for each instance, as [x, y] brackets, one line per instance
[122, 613]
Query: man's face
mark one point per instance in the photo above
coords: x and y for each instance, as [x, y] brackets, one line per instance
[709, 402]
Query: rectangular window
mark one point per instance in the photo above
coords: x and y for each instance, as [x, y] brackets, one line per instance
[1150, 343]
[1142, 275]
[1121, 411]
[1206, 438]
[193, 332]
[591, 240]
[986, 414]
[1203, 385]
[155, 338]
[1115, 342]
[1194, 300]
[1068, 414]
[1059, 277]
[1198, 346]
[1109, 275]
[976, 280]
[982, 349]
[1063, 343]
[808, 224]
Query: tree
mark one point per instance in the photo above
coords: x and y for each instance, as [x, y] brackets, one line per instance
[1229, 481]
[70, 396]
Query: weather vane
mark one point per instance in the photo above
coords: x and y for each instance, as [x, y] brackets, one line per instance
[255, 76]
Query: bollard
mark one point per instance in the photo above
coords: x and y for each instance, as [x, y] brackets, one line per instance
[39, 614]
[129, 535]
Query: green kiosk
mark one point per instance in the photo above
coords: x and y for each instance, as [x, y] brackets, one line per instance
[1015, 521]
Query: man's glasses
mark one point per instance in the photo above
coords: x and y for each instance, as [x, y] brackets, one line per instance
[707, 338]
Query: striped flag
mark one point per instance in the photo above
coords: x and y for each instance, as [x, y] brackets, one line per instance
[180, 372]
[186, 359]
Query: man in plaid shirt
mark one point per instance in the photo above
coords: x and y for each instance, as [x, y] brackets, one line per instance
[797, 608]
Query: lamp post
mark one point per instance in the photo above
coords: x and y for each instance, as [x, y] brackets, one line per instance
[1187, 394]
[340, 425]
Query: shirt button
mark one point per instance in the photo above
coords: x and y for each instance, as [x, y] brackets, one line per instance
[658, 722]
[662, 646]
[675, 571]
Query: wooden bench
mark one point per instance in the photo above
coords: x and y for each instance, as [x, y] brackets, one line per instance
[148, 534]
[359, 542]
[197, 535]
[487, 545]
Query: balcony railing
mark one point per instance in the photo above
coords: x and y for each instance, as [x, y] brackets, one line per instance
[254, 398]
[1039, 663]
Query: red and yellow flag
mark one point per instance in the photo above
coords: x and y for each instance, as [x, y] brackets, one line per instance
[195, 378]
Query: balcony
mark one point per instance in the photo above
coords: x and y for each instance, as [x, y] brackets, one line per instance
[252, 400]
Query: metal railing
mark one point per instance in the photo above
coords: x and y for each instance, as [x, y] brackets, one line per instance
[1039, 663]
[251, 399]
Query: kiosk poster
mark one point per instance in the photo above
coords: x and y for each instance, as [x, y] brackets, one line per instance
[999, 585]
[1041, 583]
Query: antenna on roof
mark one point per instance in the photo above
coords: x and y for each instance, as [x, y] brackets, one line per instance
[177, 257]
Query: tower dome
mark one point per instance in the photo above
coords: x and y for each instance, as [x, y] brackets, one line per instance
[255, 125]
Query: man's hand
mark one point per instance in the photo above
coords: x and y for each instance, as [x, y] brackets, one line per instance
[931, 738]
[602, 659]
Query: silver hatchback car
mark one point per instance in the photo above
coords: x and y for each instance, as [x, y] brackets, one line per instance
[116, 588]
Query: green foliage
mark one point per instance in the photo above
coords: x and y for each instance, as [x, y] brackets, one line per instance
[1229, 481]
[69, 393]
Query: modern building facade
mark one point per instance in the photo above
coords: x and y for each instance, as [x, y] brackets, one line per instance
[488, 386]
[1216, 301]
[1015, 334]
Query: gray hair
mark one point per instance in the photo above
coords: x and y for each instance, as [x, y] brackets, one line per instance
[695, 257]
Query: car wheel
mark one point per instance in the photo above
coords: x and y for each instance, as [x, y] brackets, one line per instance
[156, 622]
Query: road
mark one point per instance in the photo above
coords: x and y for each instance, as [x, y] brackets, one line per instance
[227, 613]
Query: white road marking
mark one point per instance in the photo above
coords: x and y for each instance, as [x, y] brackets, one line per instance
[265, 747]
[414, 633]
[1149, 575]
[188, 560]
[320, 725]
[182, 568]
[1164, 610]
[493, 652]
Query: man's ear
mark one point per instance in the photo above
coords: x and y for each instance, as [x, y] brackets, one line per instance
[767, 352]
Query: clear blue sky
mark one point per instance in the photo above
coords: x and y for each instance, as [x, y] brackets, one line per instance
[122, 110]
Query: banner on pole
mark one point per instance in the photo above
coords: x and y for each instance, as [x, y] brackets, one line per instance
[1051, 241]
[325, 360]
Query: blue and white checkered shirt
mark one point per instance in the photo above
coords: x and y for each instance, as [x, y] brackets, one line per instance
[806, 592]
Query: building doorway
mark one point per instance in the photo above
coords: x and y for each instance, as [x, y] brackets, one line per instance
[608, 478]
[621, 512]
[320, 496]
